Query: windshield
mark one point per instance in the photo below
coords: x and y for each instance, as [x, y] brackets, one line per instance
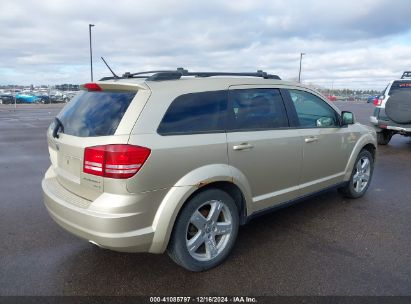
[95, 113]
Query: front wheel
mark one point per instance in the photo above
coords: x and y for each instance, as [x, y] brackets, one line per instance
[360, 177]
[205, 231]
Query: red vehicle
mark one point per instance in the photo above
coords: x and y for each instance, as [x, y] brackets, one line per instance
[331, 98]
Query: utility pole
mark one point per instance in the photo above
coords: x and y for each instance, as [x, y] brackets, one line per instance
[299, 73]
[91, 51]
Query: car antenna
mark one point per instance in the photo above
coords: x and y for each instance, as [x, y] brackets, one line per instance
[114, 74]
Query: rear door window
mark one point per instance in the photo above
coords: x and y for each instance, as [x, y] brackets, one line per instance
[202, 112]
[257, 109]
[95, 113]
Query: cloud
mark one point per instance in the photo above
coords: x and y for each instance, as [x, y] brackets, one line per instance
[354, 43]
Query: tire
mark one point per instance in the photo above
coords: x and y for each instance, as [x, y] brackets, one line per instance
[196, 223]
[384, 137]
[361, 176]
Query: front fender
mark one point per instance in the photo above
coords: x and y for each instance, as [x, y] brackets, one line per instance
[175, 198]
[365, 139]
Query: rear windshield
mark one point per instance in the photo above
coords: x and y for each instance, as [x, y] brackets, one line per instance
[95, 113]
[400, 86]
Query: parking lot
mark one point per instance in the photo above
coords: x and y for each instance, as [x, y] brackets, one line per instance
[326, 245]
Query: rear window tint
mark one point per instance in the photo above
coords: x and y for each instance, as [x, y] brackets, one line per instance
[257, 109]
[202, 112]
[398, 86]
[95, 113]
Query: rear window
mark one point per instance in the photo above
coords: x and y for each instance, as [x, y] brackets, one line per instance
[398, 86]
[95, 113]
[202, 112]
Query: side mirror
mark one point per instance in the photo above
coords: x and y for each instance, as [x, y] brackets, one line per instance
[347, 118]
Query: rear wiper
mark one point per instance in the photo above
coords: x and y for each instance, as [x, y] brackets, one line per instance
[58, 126]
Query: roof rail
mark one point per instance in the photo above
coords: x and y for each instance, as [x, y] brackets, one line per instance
[179, 72]
[259, 73]
[406, 74]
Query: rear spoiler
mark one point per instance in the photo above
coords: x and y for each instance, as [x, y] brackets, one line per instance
[113, 86]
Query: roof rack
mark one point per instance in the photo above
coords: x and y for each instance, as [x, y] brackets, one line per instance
[179, 72]
[406, 74]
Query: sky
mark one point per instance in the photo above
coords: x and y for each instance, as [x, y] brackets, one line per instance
[347, 44]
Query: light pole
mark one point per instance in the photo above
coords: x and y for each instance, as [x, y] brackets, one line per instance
[91, 51]
[299, 73]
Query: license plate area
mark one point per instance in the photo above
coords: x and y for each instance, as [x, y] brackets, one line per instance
[69, 164]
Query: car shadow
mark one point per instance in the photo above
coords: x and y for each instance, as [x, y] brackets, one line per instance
[95, 271]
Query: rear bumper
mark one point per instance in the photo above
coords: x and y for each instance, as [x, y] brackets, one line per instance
[399, 129]
[117, 229]
[388, 125]
[381, 122]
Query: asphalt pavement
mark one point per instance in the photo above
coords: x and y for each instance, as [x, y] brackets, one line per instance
[326, 245]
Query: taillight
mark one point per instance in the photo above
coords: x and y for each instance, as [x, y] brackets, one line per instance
[92, 86]
[115, 161]
[378, 101]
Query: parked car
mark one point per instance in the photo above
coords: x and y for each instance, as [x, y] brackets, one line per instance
[175, 161]
[373, 99]
[59, 97]
[6, 99]
[42, 97]
[392, 114]
[332, 98]
[27, 98]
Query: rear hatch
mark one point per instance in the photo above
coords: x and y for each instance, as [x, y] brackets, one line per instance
[99, 115]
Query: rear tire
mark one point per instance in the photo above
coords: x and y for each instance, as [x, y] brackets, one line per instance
[384, 137]
[360, 177]
[205, 231]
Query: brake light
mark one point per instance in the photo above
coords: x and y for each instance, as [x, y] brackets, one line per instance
[115, 161]
[92, 86]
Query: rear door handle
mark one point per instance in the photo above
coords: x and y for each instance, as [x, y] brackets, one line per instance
[311, 139]
[243, 146]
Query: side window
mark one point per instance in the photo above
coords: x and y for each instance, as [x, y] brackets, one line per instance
[312, 111]
[203, 112]
[254, 109]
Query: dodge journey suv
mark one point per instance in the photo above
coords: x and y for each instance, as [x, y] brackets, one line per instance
[175, 161]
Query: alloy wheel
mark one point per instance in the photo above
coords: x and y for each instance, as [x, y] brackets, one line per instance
[209, 230]
[362, 174]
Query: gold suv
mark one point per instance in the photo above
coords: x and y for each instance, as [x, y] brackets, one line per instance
[177, 160]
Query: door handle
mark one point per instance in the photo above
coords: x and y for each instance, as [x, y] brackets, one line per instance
[243, 146]
[311, 139]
